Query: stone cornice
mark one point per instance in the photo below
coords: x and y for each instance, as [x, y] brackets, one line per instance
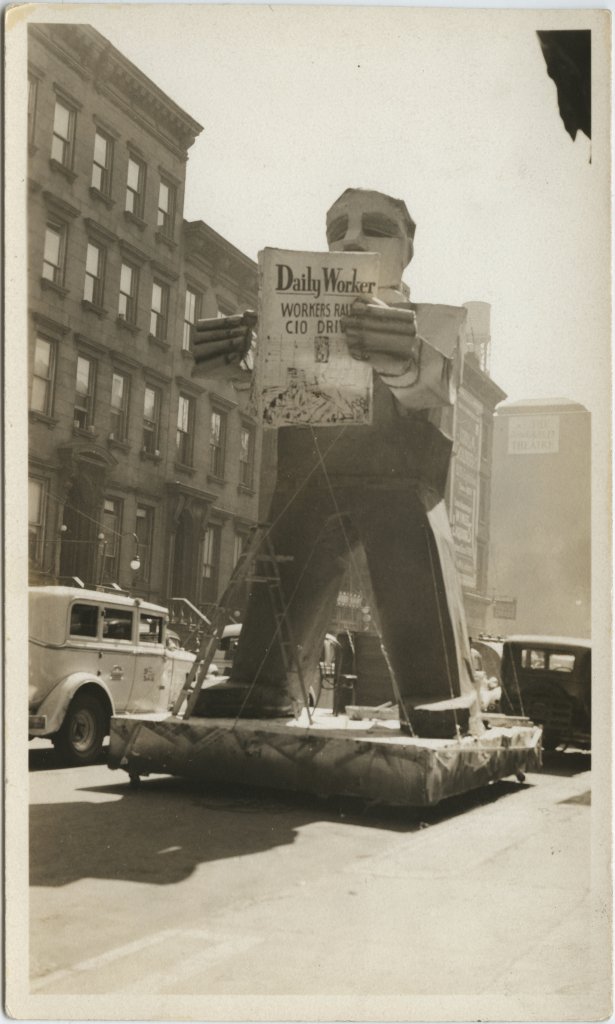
[59, 206]
[191, 386]
[132, 253]
[164, 270]
[92, 56]
[99, 230]
[47, 324]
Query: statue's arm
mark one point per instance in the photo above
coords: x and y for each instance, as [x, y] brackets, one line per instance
[222, 345]
[418, 374]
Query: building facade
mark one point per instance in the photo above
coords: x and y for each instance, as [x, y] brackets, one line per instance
[540, 565]
[141, 473]
[470, 476]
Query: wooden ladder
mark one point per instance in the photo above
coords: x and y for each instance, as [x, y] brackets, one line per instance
[258, 563]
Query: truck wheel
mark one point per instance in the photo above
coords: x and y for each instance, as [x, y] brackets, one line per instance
[80, 739]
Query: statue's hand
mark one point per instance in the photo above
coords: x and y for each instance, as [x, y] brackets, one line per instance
[382, 335]
[220, 343]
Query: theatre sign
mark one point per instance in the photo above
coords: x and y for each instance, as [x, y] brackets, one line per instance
[533, 435]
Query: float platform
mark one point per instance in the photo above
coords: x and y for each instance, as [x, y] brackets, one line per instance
[329, 756]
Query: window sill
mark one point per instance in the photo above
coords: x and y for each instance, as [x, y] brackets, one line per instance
[62, 169]
[164, 345]
[181, 467]
[133, 219]
[150, 456]
[95, 193]
[126, 325]
[116, 442]
[41, 417]
[92, 307]
[187, 354]
[52, 286]
[212, 478]
[244, 489]
[89, 432]
[166, 240]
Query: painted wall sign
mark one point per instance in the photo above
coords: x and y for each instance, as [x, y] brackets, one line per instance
[533, 435]
[305, 374]
[465, 487]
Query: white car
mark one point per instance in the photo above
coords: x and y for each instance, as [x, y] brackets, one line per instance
[93, 655]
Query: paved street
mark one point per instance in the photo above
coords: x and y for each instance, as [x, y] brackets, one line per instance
[178, 889]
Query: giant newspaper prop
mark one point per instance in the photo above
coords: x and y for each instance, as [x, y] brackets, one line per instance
[305, 374]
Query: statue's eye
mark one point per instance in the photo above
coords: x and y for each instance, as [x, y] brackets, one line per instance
[376, 225]
[337, 229]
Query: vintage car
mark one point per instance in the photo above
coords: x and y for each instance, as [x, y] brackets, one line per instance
[548, 679]
[92, 655]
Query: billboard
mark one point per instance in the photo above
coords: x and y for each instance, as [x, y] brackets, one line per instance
[305, 373]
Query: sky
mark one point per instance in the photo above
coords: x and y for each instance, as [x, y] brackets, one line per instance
[451, 111]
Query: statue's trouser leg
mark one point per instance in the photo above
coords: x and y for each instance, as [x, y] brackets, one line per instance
[418, 598]
[315, 545]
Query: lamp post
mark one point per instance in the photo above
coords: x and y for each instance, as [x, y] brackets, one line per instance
[102, 551]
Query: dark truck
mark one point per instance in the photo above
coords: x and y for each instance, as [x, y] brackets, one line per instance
[548, 678]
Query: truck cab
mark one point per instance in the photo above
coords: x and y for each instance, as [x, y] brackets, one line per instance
[92, 655]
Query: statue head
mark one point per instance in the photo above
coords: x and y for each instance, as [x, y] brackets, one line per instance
[365, 221]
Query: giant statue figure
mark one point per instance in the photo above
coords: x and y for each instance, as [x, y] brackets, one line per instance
[380, 485]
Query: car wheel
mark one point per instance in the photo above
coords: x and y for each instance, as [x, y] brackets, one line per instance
[81, 736]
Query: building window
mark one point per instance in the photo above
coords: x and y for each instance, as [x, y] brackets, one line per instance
[120, 396]
[63, 136]
[166, 208]
[151, 420]
[41, 397]
[144, 529]
[185, 418]
[54, 253]
[238, 546]
[32, 97]
[112, 528]
[93, 288]
[191, 312]
[37, 506]
[127, 307]
[217, 442]
[246, 456]
[160, 311]
[83, 417]
[210, 564]
[135, 187]
[102, 163]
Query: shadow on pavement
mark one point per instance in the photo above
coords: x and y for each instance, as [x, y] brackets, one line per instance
[566, 762]
[46, 759]
[160, 831]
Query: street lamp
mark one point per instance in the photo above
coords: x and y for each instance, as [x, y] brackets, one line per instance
[135, 561]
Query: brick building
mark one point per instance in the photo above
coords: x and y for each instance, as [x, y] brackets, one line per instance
[130, 453]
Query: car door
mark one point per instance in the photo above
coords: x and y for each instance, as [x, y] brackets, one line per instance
[152, 678]
[117, 653]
